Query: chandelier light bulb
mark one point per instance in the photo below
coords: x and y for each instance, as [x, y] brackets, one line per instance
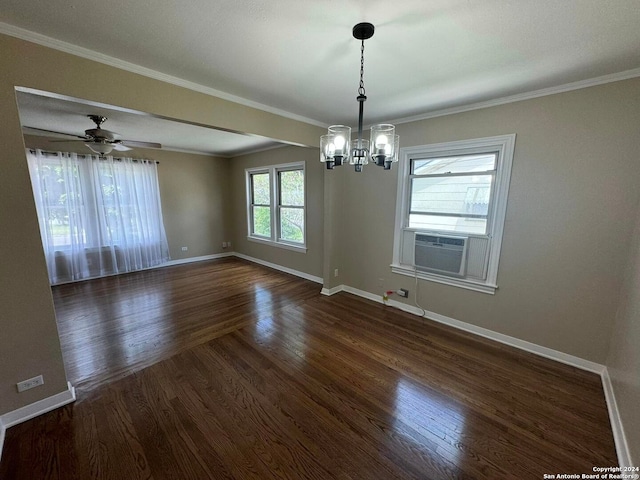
[382, 142]
[339, 142]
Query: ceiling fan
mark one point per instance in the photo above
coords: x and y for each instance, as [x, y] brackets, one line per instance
[101, 141]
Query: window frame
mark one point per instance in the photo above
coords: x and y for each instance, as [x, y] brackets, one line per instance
[275, 205]
[252, 204]
[503, 146]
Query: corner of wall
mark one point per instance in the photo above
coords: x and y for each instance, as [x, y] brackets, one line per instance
[619, 437]
[35, 409]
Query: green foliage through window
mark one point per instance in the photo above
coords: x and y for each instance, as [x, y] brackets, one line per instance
[285, 205]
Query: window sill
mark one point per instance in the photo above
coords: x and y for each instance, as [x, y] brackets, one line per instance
[476, 286]
[286, 246]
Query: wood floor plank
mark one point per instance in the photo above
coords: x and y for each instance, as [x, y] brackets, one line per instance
[229, 370]
[343, 443]
[208, 429]
[486, 396]
[332, 390]
[424, 416]
[335, 450]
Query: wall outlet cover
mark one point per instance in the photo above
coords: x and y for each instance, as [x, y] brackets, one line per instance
[30, 383]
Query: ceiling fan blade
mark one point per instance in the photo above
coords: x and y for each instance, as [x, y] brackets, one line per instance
[69, 141]
[25, 128]
[134, 143]
[120, 147]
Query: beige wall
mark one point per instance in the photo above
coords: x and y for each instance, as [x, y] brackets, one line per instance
[334, 185]
[624, 355]
[30, 344]
[568, 227]
[194, 190]
[309, 262]
[28, 331]
[567, 235]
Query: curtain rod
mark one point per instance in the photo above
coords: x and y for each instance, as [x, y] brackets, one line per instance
[102, 157]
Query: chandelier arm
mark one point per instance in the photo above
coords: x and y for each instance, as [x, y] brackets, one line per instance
[361, 99]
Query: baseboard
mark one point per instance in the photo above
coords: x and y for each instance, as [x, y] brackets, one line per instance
[170, 263]
[35, 409]
[181, 261]
[619, 437]
[486, 333]
[332, 291]
[275, 266]
[2, 430]
[622, 447]
[38, 408]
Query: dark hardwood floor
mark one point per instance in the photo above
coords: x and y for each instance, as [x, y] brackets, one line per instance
[226, 369]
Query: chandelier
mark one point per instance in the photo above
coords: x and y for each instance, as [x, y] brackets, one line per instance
[383, 144]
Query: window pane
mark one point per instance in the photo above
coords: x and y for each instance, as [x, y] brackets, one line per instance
[460, 195]
[292, 224]
[448, 224]
[292, 188]
[461, 164]
[58, 220]
[62, 233]
[261, 188]
[262, 221]
[61, 190]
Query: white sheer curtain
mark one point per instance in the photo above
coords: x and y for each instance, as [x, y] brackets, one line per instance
[98, 215]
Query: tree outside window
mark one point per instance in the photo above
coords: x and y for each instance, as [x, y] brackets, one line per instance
[276, 204]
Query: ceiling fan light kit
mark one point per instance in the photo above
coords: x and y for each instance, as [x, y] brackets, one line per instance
[101, 148]
[383, 144]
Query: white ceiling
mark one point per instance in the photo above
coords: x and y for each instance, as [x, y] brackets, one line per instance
[299, 58]
[68, 116]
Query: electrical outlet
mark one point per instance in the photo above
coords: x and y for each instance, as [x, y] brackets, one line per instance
[403, 292]
[184, 249]
[335, 272]
[31, 383]
[224, 244]
[229, 244]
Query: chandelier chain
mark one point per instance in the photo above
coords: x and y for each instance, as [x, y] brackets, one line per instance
[361, 87]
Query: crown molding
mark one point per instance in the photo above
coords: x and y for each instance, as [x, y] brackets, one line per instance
[66, 47]
[567, 87]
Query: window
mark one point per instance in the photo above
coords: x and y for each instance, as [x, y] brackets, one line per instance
[276, 205]
[454, 190]
[98, 215]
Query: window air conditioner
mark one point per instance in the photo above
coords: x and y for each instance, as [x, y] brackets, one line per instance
[441, 254]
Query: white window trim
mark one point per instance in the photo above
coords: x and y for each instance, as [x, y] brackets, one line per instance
[505, 146]
[274, 240]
